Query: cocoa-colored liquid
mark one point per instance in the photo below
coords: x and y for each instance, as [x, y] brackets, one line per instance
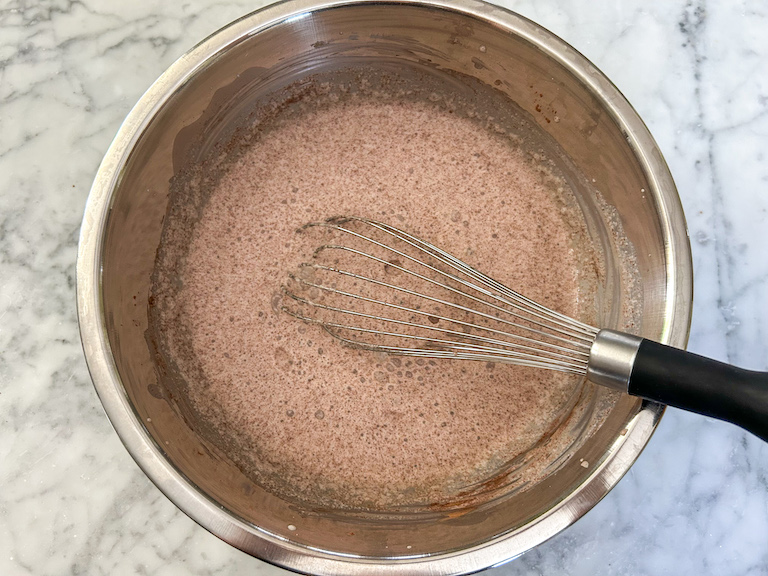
[316, 421]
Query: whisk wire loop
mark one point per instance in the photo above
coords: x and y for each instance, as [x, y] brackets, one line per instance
[508, 297]
[471, 315]
[553, 352]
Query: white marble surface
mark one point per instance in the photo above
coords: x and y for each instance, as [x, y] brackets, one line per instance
[71, 499]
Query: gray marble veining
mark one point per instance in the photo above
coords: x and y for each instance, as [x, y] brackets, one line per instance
[71, 499]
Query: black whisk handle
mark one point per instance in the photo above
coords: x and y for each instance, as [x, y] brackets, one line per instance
[698, 384]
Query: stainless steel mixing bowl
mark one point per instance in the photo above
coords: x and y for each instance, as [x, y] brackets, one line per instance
[205, 90]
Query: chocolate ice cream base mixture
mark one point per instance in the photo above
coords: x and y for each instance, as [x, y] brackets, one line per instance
[326, 425]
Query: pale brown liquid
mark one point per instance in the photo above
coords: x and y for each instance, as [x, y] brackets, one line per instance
[318, 422]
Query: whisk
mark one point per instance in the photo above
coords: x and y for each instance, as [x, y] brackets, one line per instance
[375, 287]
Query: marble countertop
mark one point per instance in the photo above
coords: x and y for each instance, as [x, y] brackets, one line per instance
[72, 501]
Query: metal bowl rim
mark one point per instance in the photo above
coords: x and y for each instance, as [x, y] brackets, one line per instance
[271, 547]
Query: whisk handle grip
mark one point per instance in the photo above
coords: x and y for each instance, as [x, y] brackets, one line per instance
[702, 385]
